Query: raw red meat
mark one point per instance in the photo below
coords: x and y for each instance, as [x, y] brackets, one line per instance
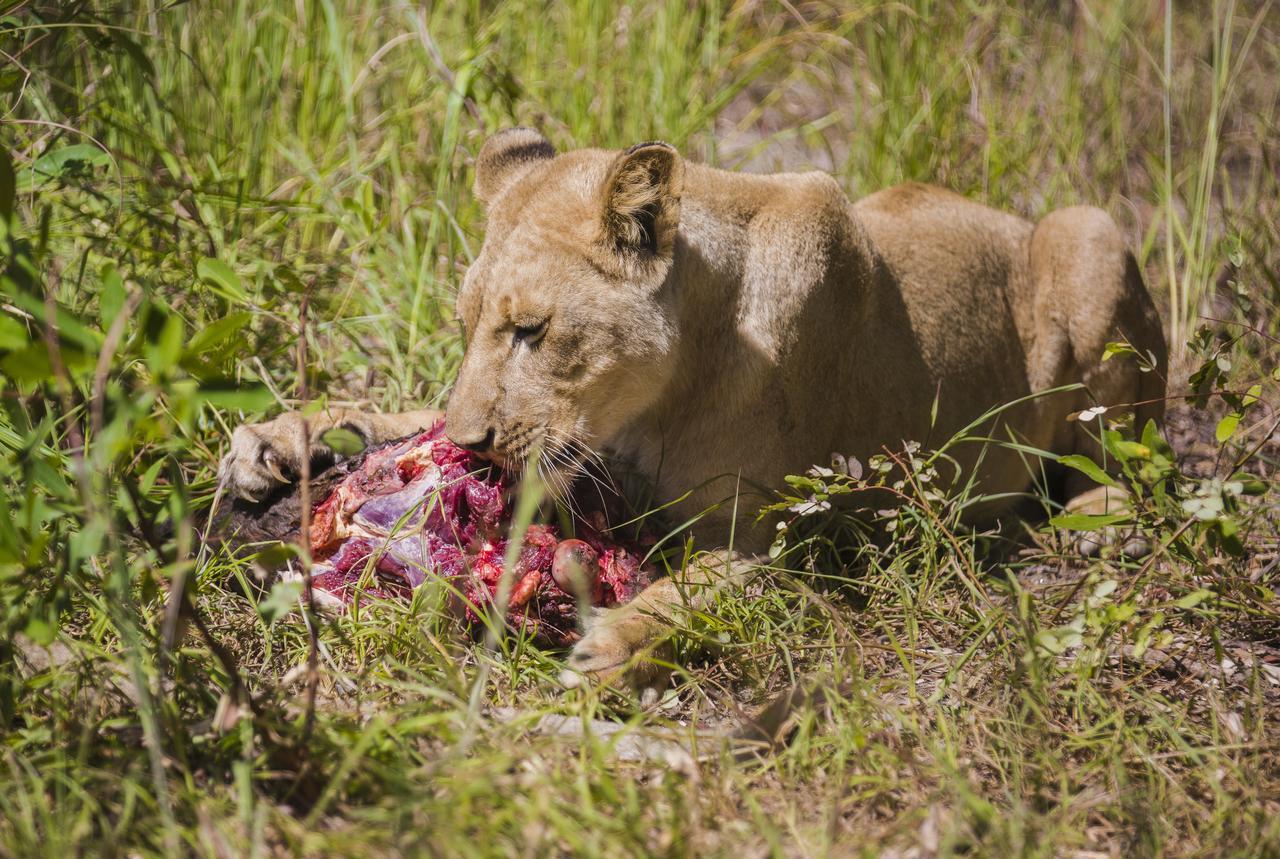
[423, 507]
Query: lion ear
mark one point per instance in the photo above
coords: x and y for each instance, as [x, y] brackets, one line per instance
[642, 201]
[505, 157]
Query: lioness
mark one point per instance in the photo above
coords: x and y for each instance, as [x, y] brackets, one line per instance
[716, 331]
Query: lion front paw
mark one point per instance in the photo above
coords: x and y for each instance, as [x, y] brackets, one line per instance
[623, 645]
[265, 456]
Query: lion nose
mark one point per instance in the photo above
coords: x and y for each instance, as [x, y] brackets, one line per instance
[477, 445]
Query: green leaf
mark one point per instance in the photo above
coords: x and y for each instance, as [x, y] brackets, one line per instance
[87, 542]
[1251, 485]
[236, 397]
[65, 159]
[1152, 439]
[1084, 464]
[111, 299]
[13, 334]
[28, 365]
[1049, 641]
[342, 441]
[282, 600]
[220, 276]
[1121, 613]
[213, 335]
[1088, 522]
[40, 631]
[8, 185]
[1113, 349]
[1060, 639]
[1126, 449]
[1194, 598]
[276, 555]
[1105, 588]
[68, 325]
[1227, 427]
[149, 477]
[167, 347]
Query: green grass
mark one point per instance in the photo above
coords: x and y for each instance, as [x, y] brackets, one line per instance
[187, 174]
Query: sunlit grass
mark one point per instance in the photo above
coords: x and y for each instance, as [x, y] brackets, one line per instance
[323, 150]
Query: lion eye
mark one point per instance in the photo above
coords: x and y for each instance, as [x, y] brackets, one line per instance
[530, 333]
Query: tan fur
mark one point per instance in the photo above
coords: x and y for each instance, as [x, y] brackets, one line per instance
[717, 331]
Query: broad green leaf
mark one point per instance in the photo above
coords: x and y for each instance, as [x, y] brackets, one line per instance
[229, 395]
[1105, 588]
[149, 477]
[282, 600]
[40, 631]
[28, 365]
[87, 542]
[68, 325]
[8, 185]
[1227, 427]
[214, 334]
[1152, 439]
[111, 299]
[1249, 484]
[1121, 613]
[222, 278]
[1126, 449]
[167, 347]
[13, 334]
[343, 442]
[276, 555]
[1086, 465]
[61, 161]
[1088, 522]
[1194, 598]
[1059, 640]
[1113, 349]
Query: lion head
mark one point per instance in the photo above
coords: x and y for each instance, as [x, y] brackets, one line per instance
[568, 320]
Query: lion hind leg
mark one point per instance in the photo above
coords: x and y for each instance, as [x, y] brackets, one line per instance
[1089, 293]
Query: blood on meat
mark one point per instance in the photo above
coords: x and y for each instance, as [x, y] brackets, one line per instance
[423, 508]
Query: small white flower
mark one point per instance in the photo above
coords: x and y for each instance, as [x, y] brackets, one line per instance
[810, 506]
[1091, 414]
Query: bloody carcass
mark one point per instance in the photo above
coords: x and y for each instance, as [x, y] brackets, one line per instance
[422, 508]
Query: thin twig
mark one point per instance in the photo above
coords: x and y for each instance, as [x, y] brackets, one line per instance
[108, 351]
[1250, 328]
[304, 528]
